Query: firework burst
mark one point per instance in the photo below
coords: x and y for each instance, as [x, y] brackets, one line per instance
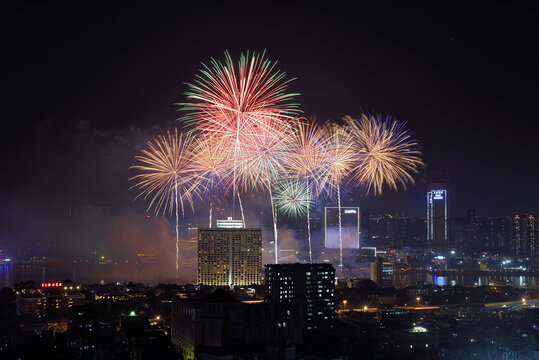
[210, 160]
[166, 177]
[340, 160]
[386, 153]
[261, 164]
[226, 101]
[307, 152]
[305, 159]
[248, 108]
[292, 198]
[261, 161]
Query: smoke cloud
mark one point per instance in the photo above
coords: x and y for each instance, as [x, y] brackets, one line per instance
[72, 206]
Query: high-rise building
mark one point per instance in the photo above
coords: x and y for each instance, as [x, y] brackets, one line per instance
[457, 232]
[471, 216]
[382, 229]
[437, 216]
[382, 272]
[523, 235]
[499, 235]
[341, 230]
[310, 285]
[229, 256]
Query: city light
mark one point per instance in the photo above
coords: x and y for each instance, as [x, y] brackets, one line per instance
[54, 284]
[232, 193]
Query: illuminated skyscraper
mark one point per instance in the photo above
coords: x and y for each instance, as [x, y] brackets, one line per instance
[229, 256]
[349, 228]
[437, 216]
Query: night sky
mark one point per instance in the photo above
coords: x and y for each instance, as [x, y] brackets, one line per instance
[86, 84]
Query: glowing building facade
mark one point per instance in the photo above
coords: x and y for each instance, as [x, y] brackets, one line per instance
[348, 229]
[437, 217]
[229, 256]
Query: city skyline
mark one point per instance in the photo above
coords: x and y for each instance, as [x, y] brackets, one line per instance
[269, 180]
[82, 161]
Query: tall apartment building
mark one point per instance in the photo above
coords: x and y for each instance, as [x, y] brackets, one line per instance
[229, 256]
[310, 285]
[524, 235]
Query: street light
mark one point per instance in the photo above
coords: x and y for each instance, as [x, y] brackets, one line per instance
[418, 299]
[344, 304]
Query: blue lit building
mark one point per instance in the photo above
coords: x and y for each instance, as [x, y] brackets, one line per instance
[437, 217]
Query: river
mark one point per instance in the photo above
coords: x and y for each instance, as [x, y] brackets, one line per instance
[56, 271]
[467, 280]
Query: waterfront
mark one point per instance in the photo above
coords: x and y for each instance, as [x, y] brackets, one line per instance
[51, 271]
[94, 273]
[518, 281]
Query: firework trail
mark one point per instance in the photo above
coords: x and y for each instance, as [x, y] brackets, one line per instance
[306, 159]
[340, 161]
[241, 209]
[386, 153]
[166, 177]
[240, 105]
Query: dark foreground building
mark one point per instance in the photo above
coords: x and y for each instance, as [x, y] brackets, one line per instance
[382, 272]
[220, 324]
[311, 286]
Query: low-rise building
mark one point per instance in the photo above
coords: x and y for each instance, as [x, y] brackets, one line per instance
[48, 299]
